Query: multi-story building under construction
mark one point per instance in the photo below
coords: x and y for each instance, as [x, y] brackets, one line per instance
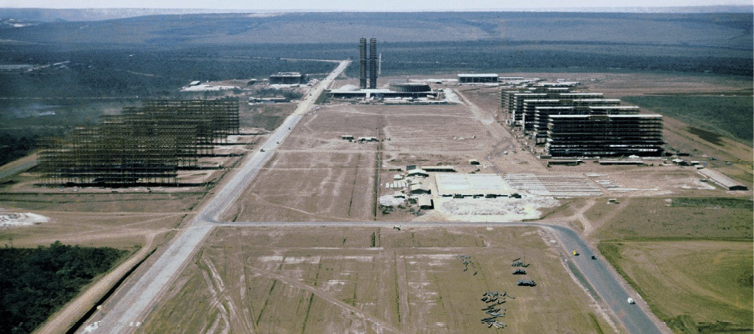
[144, 145]
[604, 135]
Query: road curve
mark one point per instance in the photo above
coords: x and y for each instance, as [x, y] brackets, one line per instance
[136, 303]
[599, 277]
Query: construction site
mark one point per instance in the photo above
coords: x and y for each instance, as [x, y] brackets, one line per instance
[445, 203]
[580, 124]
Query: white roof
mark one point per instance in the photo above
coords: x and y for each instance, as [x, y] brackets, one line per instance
[720, 178]
[475, 75]
[471, 184]
[611, 116]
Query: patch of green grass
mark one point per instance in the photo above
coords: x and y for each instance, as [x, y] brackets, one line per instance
[596, 323]
[711, 137]
[729, 116]
[611, 252]
[684, 219]
[694, 286]
[720, 202]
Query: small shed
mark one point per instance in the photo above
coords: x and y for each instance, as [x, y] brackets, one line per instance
[425, 202]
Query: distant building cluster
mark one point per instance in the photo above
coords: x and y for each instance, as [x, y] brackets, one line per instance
[580, 124]
[369, 69]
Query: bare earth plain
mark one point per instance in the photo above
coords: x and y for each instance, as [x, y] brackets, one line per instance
[371, 280]
[281, 280]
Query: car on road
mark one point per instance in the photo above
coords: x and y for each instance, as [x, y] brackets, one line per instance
[575, 253]
[594, 257]
[631, 301]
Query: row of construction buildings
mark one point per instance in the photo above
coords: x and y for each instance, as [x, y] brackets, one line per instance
[142, 145]
[581, 124]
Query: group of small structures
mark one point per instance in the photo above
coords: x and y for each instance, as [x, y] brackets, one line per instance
[493, 300]
[521, 271]
[580, 124]
[141, 146]
[399, 92]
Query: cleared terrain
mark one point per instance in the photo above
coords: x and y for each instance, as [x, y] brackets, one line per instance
[371, 280]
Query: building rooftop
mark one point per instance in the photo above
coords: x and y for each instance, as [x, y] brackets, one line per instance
[287, 74]
[471, 184]
[555, 107]
[479, 75]
[596, 100]
[610, 116]
[722, 180]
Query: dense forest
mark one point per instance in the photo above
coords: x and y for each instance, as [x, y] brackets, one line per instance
[38, 281]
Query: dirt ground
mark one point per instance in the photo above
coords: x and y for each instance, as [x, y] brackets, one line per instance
[317, 176]
[369, 280]
[301, 186]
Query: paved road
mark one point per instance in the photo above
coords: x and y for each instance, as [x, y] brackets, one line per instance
[138, 301]
[17, 169]
[599, 277]
[136, 304]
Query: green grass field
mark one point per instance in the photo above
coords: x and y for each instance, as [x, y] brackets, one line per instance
[675, 219]
[689, 258]
[730, 116]
[694, 286]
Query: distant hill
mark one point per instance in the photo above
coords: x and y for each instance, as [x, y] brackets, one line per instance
[727, 30]
[92, 14]
[99, 14]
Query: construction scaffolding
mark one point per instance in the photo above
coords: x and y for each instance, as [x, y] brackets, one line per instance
[144, 145]
[542, 115]
[604, 135]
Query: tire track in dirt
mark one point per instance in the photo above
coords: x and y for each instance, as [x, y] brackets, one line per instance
[329, 298]
[260, 198]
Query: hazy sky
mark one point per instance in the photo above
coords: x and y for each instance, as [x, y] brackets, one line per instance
[360, 5]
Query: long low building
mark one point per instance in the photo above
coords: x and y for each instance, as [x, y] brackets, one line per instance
[478, 78]
[722, 180]
[287, 78]
[379, 93]
[471, 185]
[440, 169]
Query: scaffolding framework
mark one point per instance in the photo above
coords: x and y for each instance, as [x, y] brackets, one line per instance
[144, 145]
[604, 135]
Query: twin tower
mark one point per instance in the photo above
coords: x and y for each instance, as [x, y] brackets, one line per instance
[372, 63]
